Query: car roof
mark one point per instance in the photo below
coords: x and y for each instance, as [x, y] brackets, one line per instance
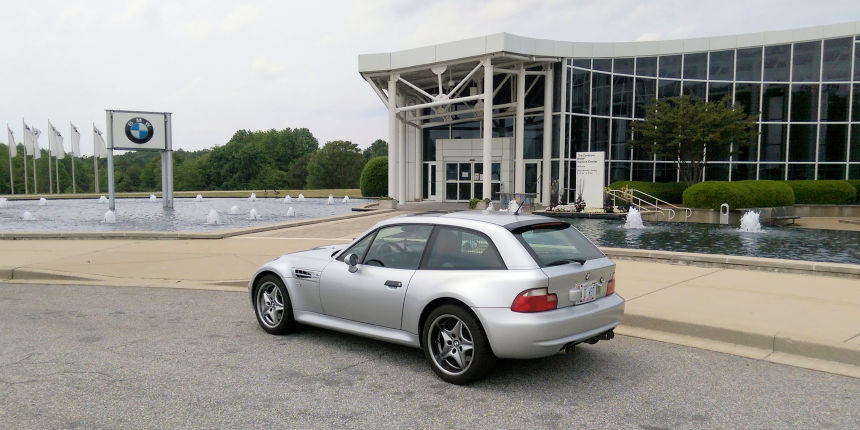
[504, 219]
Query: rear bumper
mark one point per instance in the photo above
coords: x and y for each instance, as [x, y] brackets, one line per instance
[540, 334]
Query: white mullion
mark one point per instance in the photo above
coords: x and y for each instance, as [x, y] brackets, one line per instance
[788, 110]
[820, 98]
[761, 112]
[850, 108]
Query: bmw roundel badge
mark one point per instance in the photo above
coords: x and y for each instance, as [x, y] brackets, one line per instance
[138, 130]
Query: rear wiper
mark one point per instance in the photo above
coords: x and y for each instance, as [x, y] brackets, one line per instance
[581, 261]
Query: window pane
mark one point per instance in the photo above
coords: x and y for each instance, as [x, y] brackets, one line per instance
[479, 190]
[579, 85]
[465, 191]
[804, 102]
[855, 115]
[599, 134]
[496, 188]
[831, 171]
[695, 89]
[669, 88]
[807, 61]
[741, 172]
[834, 102]
[717, 172]
[623, 66]
[646, 92]
[854, 171]
[801, 145]
[465, 171]
[855, 142]
[837, 59]
[503, 127]
[620, 149]
[696, 66]
[359, 249]
[646, 66]
[801, 171]
[603, 64]
[776, 62]
[773, 142]
[533, 137]
[505, 92]
[643, 171]
[666, 172]
[555, 140]
[429, 141]
[833, 143]
[746, 152]
[771, 171]
[749, 65]
[622, 98]
[399, 246]
[451, 191]
[719, 90]
[535, 94]
[747, 95]
[579, 134]
[582, 62]
[455, 248]
[775, 102]
[670, 66]
[497, 172]
[602, 95]
[856, 62]
[466, 130]
[619, 172]
[722, 65]
[451, 171]
[556, 243]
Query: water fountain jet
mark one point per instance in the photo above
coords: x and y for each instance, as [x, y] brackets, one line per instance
[252, 215]
[346, 199]
[252, 197]
[213, 218]
[634, 219]
[288, 199]
[42, 201]
[2, 202]
[751, 223]
[291, 212]
[152, 197]
[110, 217]
[301, 197]
[103, 199]
[199, 198]
[330, 199]
[27, 216]
[234, 210]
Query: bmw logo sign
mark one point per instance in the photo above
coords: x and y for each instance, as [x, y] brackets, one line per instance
[138, 130]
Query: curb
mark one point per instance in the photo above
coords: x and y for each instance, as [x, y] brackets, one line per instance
[737, 262]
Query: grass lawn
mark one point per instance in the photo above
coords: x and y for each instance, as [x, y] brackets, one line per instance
[338, 193]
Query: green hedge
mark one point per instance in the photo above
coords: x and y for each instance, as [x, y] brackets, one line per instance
[374, 178]
[856, 184]
[739, 194]
[671, 192]
[823, 192]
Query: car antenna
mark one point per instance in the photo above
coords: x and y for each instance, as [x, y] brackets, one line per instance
[519, 206]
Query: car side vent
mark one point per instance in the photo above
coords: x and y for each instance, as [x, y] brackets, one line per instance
[305, 274]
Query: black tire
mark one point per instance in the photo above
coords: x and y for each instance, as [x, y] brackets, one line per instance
[272, 305]
[443, 343]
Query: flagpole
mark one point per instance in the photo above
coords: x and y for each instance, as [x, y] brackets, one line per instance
[11, 179]
[25, 137]
[74, 188]
[50, 172]
[57, 168]
[34, 172]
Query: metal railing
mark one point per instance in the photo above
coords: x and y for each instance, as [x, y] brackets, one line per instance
[645, 202]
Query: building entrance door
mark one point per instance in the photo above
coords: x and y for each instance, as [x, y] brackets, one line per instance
[465, 180]
[533, 178]
[429, 185]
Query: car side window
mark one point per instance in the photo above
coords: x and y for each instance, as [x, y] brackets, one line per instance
[359, 249]
[398, 246]
[456, 248]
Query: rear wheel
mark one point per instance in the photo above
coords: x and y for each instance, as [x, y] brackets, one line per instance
[272, 305]
[455, 345]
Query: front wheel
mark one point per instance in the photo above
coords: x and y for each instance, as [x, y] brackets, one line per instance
[455, 345]
[272, 305]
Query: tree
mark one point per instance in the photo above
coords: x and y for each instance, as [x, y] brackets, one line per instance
[691, 132]
[379, 148]
[374, 178]
[337, 165]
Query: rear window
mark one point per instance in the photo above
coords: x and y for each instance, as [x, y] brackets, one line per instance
[556, 243]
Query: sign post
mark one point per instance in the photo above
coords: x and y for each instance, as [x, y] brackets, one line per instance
[590, 176]
[141, 131]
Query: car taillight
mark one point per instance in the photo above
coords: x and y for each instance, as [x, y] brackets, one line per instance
[535, 300]
[610, 286]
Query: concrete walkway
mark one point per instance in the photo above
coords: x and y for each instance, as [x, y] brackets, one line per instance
[802, 319]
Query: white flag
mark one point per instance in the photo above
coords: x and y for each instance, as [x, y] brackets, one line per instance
[34, 136]
[28, 139]
[99, 147]
[13, 147]
[55, 142]
[76, 141]
[60, 153]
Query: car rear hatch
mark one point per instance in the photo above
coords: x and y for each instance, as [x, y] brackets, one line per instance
[576, 284]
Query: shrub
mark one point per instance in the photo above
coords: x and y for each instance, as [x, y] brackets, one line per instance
[740, 194]
[856, 184]
[671, 192]
[374, 178]
[473, 203]
[823, 192]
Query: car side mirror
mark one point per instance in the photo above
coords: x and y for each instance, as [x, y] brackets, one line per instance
[352, 261]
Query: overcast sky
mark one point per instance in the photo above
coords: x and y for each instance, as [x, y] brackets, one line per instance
[220, 66]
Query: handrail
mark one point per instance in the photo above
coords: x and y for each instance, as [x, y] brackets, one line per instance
[662, 206]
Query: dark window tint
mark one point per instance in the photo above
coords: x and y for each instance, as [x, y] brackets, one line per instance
[771, 171]
[646, 92]
[696, 66]
[748, 152]
[695, 89]
[599, 134]
[620, 130]
[666, 172]
[855, 143]
[747, 95]
[773, 142]
[741, 172]
[806, 62]
[533, 137]
[622, 96]
[670, 66]
[603, 64]
[831, 171]
[749, 65]
[775, 102]
[643, 171]
[719, 90]
[466, 130]
[451, 171]
[855, 111]
[503, 127]
[776, 61]
[623, 66]
[580, 84]
[579, 134]
[837, 59]
[601, 98]
[801, 145]
[359, 249]
[804, 102]
[619, 172]
[833, 144]
[398, 246]
[429, 142]
[834, 102]
[556, 244]
[582, 62]
[646, 66]
[556, 145]
[857, 62]
[455, 248]
[722, 65]
[669, 88]
[717, 172]
[801, 171]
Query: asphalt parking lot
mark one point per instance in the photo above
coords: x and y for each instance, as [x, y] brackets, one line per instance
[109, 357]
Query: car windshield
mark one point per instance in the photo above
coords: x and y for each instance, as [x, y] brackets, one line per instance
[556, 243]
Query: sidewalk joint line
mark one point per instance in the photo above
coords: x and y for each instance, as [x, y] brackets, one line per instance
[677, 283]
[851, 338]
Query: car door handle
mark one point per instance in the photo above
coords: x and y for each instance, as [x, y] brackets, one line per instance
[393, 284]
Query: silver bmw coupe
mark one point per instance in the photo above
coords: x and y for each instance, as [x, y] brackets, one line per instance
[466, 287]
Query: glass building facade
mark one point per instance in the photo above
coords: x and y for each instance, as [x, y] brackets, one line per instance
[806, 96]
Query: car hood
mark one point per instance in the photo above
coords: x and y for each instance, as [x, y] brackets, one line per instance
[314, 259]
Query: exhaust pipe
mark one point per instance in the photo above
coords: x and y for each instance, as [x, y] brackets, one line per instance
[607, 335]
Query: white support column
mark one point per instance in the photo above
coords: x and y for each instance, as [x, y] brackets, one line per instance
[546, 169]
[488, 129]
[419, 161]
[392, 134]
[519, 132]
[401, 158]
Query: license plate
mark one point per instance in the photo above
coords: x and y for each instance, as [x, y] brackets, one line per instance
[588, 292]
